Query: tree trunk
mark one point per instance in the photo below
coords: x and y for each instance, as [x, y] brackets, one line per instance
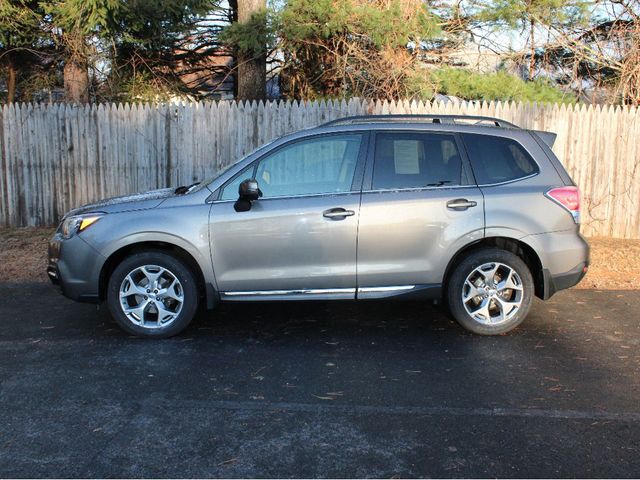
[76, 81]
[11, 82]
[532, 58]
[252, 68]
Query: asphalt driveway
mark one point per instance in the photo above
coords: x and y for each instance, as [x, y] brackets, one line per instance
[322, 389]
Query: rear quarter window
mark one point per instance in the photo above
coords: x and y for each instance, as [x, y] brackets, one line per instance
[498, 159]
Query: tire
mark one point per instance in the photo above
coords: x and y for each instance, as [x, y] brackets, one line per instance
[486, 305]
[153, 310]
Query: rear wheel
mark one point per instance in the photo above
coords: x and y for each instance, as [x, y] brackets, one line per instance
[490, 292]
[152, 294]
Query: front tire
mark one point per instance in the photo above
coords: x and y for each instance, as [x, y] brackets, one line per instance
[152, 294]
[490, 291]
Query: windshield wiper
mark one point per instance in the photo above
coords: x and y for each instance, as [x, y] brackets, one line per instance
[438, 184]
[185, 189]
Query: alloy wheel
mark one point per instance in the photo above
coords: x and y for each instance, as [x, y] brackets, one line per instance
[492, 293]
[151, 296]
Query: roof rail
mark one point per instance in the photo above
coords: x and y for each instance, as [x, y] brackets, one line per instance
[418, 118]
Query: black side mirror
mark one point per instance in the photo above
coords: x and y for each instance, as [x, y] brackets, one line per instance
[248, 191]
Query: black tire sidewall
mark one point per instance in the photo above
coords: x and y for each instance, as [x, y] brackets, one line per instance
[465, 267]
[177, 267]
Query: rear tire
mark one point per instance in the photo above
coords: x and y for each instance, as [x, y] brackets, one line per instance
[490, 291]
[152, 294]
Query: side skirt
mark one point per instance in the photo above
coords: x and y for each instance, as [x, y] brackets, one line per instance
[409, 292]
[431, 291]
[275, 295]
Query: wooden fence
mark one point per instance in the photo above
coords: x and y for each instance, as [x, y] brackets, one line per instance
[57, 157]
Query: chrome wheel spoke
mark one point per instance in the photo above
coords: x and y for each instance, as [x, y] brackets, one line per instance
[132, 288]
[138, 311]
[473, 291]
[508, 283]
[151, 276]
[170, 291]
[506, 307]
[483, 310]
[490, 273]
[164, 315]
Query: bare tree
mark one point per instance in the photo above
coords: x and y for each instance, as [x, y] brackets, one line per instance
[605, 52]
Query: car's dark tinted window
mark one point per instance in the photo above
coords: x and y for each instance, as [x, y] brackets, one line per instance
[415, 160]
[498, 159]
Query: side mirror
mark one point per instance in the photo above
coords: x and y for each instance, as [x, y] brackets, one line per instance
[248, 191]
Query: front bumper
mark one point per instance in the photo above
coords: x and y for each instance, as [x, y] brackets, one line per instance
[74, 267]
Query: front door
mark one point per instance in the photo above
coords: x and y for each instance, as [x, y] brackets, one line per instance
[419, 207]
[299, 239]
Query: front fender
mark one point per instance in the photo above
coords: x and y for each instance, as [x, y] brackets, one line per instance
[185, 227]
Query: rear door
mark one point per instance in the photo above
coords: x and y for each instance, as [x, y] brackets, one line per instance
[419, 207]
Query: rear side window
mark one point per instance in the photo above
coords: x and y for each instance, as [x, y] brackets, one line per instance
[498, 159]
[415, 160]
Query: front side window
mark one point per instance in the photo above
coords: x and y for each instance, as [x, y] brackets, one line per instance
[498, 159]
[230, 190]
[308, 167]
[416, 160]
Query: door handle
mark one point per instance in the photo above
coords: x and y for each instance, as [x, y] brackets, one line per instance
[461, 204]
[338, 213]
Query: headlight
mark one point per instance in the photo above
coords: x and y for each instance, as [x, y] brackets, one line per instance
[77, 223]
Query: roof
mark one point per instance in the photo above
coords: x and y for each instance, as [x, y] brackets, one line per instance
[433, 119]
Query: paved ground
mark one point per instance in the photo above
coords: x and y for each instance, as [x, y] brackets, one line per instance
[329, 390]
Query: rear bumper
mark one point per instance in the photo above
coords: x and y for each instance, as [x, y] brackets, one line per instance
[564, 256]
[74, 267]
[555, 283]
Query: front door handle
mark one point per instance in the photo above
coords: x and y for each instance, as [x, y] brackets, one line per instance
[338, 213]
[461, 204]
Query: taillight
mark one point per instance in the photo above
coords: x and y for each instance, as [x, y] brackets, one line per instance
[569, 198]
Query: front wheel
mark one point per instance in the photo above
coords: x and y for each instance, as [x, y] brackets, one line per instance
[490, 291]
[152, 294]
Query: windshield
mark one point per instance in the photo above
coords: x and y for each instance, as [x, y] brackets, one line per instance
[207, 181]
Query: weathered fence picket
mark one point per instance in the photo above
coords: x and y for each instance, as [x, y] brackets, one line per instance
[57, 157]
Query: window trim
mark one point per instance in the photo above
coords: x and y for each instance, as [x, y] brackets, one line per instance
[358, 173]
[466, 173]
[505, 182]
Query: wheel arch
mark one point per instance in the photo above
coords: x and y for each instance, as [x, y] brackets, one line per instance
[205, 289]
[513, 245]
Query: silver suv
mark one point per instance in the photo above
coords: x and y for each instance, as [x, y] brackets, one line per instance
[473, 211]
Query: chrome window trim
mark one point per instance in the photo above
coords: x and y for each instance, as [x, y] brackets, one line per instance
[382, 190]
[306, 195]
[420, 189]
[509, 181]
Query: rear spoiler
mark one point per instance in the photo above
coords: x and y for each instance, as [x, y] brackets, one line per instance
[547, 137]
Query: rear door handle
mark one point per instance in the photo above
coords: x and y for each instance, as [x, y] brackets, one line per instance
[461, 204]
[338, 213]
